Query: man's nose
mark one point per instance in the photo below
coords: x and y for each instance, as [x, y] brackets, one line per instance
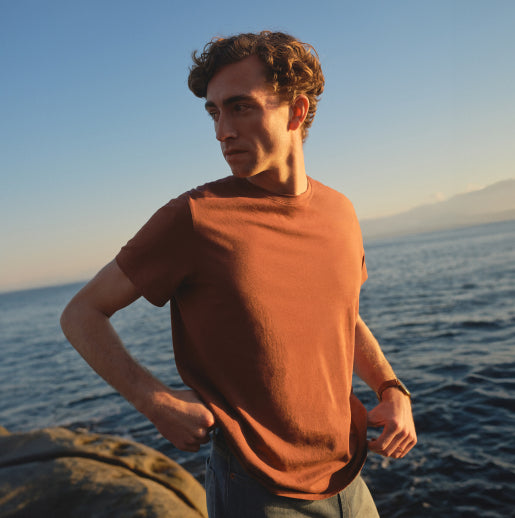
[224, 128]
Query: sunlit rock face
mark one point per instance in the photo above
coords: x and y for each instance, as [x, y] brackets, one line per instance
[61, 474]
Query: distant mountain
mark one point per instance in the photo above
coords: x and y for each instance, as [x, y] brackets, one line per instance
[493, 203]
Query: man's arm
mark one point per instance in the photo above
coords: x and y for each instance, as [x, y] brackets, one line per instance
[179, 415]
[394, 411]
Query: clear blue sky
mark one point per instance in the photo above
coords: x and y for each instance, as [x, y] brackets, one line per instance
[98, 128]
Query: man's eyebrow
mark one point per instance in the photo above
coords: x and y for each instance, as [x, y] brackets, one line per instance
[230, 100]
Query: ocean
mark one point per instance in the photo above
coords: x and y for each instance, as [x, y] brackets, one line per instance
[441, 304]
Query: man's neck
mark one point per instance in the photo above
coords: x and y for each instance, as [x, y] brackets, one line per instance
[292, 186]
[290, 180]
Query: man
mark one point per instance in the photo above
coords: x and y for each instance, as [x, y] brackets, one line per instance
[263, 271]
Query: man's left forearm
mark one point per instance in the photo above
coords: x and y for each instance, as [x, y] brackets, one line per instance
[393, 413]
[370, 363]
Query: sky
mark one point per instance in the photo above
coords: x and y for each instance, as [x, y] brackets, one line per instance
[98, 128]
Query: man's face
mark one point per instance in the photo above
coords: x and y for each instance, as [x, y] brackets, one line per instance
[251, 122]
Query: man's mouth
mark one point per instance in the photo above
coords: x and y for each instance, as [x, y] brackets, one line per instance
[231, 153]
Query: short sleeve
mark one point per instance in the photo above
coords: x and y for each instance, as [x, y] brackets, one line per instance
[160, 256]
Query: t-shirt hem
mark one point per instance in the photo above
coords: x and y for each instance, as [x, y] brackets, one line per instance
[322, 496]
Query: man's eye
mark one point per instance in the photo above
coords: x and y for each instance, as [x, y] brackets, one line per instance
[241, 107]
[213, 115]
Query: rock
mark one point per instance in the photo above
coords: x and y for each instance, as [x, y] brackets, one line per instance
[57, 473]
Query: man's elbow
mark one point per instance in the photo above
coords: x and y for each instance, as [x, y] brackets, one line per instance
[68, 318]
[77, 315]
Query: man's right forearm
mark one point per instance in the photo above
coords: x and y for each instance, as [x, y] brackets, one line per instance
[179, 415]
[91, 333]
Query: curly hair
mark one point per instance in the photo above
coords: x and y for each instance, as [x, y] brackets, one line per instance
[291, 66]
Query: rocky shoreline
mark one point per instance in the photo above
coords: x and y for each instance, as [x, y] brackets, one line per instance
[58, 473]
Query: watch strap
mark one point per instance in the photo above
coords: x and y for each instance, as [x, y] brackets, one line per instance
[395, 383]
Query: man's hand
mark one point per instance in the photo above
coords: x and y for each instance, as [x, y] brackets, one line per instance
[182, 418]
[394, 414]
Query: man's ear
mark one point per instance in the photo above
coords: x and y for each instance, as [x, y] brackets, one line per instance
[298, 112]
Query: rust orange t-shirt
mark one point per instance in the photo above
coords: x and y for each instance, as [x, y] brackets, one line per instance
[264, 296]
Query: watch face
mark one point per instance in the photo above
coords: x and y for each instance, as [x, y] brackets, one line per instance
[404, 388]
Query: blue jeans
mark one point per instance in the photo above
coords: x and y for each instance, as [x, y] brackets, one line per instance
[232, 493]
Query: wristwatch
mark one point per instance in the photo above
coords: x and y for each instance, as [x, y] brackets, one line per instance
[395, 383]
